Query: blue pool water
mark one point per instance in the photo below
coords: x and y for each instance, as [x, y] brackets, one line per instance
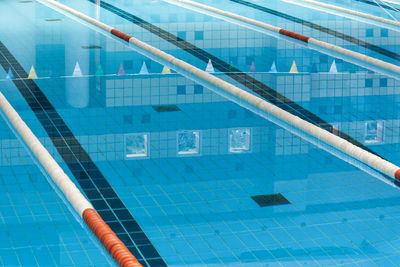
[174, 166]
[37, 226]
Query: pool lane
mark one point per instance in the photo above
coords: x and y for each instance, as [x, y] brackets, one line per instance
[372, 3]
[384, 9]
[38, 227]
[94, 184]
[312, 25]
[245, 79]
[216, 189]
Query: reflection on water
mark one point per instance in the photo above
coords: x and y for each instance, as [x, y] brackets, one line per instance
[186, 162]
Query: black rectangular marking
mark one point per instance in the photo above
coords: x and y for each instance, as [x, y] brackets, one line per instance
[270, 200]
[166, 108]
[91, 47]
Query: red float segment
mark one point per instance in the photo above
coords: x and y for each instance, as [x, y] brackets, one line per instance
[121, 35]
[294, 35]
[397, 175]
[109, 239]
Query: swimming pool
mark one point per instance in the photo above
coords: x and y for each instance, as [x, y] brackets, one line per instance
[183, 173]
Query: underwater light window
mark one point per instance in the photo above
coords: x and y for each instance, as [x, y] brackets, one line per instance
[239, 140]
[136, 145]
[188, 142]
[373, 132]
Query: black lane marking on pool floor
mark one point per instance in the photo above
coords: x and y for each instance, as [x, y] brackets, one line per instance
[166, 108]
[375, 4]
[94, 184]
[251, 83]
[91, 47]
[270, 200]
[52, 20]
[320, 28]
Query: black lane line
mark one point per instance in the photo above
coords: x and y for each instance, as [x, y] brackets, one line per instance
[251, 83]
[320, 28]
[375, 4]
[94, 184]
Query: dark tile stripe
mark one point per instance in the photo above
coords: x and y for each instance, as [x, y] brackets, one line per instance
[166, 108]
[251, 83]
[320, 28]
[372, 3]
[94, 184]
[270, 200]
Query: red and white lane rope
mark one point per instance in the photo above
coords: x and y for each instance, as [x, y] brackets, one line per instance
[297, 36]
[343, 145]
[107, 237]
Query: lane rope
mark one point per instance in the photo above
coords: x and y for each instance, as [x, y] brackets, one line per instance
[79, 202]
[308, 40]
[343, 145]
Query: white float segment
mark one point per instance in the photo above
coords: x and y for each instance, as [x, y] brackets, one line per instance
[368, 158]
[69, 189]
[352, 12]
[332, 47]
[359, 56]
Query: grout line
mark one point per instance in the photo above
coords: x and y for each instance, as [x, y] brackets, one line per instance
[297, 36]
[349, 11]
[343, 145]
[243, 78]
[80, 203]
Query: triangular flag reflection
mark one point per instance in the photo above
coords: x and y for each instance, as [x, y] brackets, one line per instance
[166, 70]
[333, 68]
[144, 70]
[121, 70]
[32, 74]
[210, 67]
[99, 71]
[293, 69]
[252, 67]
[231, 68]
[77, 71]
[273, 68]
[10, 75]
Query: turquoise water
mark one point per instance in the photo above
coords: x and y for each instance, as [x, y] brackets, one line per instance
[38, 228]
[184, 160]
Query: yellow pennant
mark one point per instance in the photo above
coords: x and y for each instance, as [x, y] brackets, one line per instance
[32, 73]
[166, 70]
[293, 69]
